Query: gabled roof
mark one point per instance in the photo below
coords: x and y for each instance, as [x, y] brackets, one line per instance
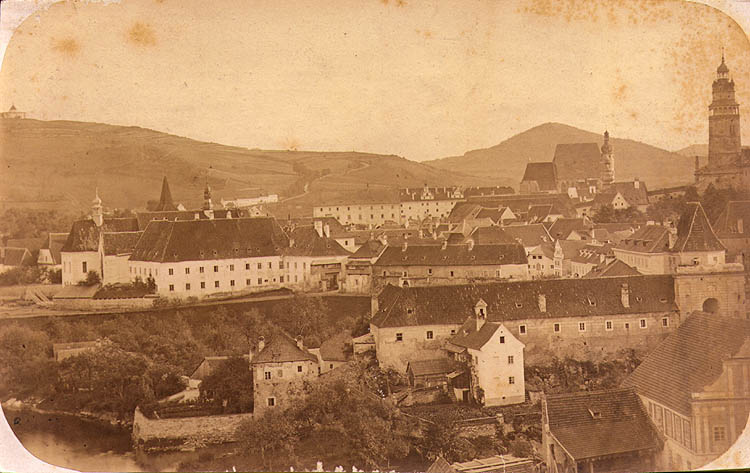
[411, 194]
[469, 337]
[727, 225]
[497, 464]
[440, 465]
[15, 256]
[54, 243]
[369, 249]
[196, 240]
[462, 211]
[615, 268]
[530, 235]
[601, 423]
[84, 234]
[694, 233]
[537, 213]
[307, 242]
[563, 227]
[30, 244]
[431, 367]
[575, 161]
[543, 174]
[491, 236]
[647, 239]
[282, 349]
[689, 359]
[494, 214]
[453, 255]
[517, 300]
[120, 243]
[633, 195]
[592, 254]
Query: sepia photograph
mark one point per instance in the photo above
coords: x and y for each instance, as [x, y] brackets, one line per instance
[418, 236]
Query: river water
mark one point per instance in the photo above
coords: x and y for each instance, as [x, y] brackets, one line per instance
[72, 442]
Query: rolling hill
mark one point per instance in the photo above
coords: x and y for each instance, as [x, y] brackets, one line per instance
[59, 163]
[694, 150]
[507, 160]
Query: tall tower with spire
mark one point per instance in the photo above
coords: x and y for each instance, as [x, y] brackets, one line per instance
[608, 162]
[97, 212]
[165, 200]
[724, 146]
[207, 204]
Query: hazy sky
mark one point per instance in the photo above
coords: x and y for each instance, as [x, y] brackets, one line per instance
[419, 79]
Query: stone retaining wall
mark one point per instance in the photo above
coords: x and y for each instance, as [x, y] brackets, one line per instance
[186, 433]
[85, 303]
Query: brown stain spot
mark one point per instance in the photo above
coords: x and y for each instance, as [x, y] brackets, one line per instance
[427, 34]
[142, 34]
[66, 46]
[291, 144]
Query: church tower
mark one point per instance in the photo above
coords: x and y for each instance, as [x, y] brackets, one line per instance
[97, 213]
[207, 204]
[608, 162]
[724, 145]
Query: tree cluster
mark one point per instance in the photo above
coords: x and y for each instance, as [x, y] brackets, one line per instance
[34, 223]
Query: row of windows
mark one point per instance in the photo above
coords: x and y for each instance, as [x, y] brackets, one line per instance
[248, 282]
[678, 428]
[202, 269]
[556, 327]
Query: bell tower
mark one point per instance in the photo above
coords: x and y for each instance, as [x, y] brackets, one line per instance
[724, 145]
[608, 162]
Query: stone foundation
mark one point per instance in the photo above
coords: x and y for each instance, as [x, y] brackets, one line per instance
[186, 433]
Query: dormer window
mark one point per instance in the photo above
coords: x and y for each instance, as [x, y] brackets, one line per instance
[595, 414]
[519, 305]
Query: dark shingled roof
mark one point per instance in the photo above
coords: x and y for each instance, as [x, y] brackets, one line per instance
[563, 227]
[462, 211]
[694, 233]
[690, 359]
[369, 249]
[196, 240]
[121, 243]
[282, 349]
[30, 244]
[165, 200]
[453, 255]
[307, 242]
[615, 268]
[647, 239]
[601, 423]
[451, 305]
[431, 367]
[84, 234]
[543, 173]
[337, 347]
[15, 256]
[491, 236]
[632, 195]
[440, 465]
[530, 235]
[727, 224]
[470, 337]
[54, 244]
[145, 217]
[574, 161]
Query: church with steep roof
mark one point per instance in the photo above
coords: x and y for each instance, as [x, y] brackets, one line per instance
[728, 163]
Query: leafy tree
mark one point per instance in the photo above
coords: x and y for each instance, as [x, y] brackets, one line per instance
[273, 434]
[92, 278]
[230, 385]
[608, 214]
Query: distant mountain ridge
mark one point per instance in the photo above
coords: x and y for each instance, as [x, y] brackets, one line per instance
[507, 160]
[64, 161]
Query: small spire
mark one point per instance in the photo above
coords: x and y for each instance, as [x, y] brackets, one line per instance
[97, 200]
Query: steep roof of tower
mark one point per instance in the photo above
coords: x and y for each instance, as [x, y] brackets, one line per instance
[694, 232]
[165, 200]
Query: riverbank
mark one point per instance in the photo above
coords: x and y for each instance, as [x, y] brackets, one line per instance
[32, 405]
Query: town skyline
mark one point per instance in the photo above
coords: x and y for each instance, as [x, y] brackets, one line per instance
[491, 86]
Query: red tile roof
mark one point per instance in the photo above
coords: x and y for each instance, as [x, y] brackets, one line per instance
[145, 217]
[452, 305]
[689, 359]
[120, 243]
[615, 268]
[530, 235]
[469, 337]
[431, 367]
[563, 227]
[84, 234]
[307, 242]
[15, 256]
[647, 239]
[601, 423]
[491, 236]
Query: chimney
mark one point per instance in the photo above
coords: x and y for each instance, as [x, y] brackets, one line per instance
[197, 216]
[291, 243]
[740, 226]
[319, 227]
[404, 246]
[636, 183]
[625, 295]
[384, 239]
[421, 234]
[300, 342]
[470, 244]
[261, 344]
[542, 301]
[672, 236]
[444, 245]
[327, 230]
